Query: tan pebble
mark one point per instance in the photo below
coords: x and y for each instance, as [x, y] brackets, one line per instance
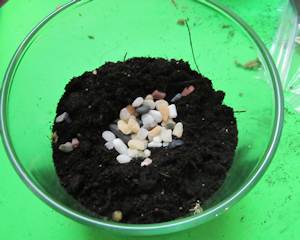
[131, 110]
[154, 132]
[163, 107]
[149, 97]
[133, 125]
[117, 216]
[137, 144]
[178, 130]
[123, 127]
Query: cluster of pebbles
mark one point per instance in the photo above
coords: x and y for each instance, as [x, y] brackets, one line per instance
[146, 123]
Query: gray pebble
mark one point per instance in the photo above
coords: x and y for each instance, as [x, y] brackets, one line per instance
[66, 147]
[143, 109]
[175, 144]
[114, 128]
[176, 97]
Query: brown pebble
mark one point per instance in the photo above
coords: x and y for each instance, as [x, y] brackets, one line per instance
[154, 132]
[158, 95]
[117, 216]
[131, 110]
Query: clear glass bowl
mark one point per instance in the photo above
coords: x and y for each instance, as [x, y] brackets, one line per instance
[82, 35]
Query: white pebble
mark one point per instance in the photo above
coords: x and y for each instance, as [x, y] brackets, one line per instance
[109, 145]
[124, 114]
[146, 162]
[123, 158]
[142, 134]
[147, 153]
[133, 153]
[178, 130]
[66, 147]
[137, 144]
[133, 124]
[149, 103]
[120, 146]
[62, 117]
[108, 136]
[149, 97]
[165, 144]
[148, 120]
[172, 111]
[137, 102]
[154, 144]
[156, 115]
[157, 139]
[166, 135]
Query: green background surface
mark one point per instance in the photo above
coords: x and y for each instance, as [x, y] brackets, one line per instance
[270, 210]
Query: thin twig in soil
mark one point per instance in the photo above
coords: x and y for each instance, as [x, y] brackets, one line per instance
[164, 174]
[124, 59]
[240, 111]
[191, 43]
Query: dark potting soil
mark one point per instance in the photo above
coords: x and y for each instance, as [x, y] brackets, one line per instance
[178, 178]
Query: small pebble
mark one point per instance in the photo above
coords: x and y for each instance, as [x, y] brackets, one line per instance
[95, 72]
[66, 147]
[148, 121]
[133, 125]
[62, 117]
[117, 216]
[158, 95]
[149, 97]
[154, 145]
[178, 130]
[156, 115]
[188, 90]
[172, 111]
[165, 144]
[157, 139]
[133, 153]
[123, 158]
[177, 97]
[114, 128]
[54, 137]
[142, 134]
[123, 127]
[170, 124]
[149, 103]
[75, 142]
[143, 109]
[109, 145]
[131, 110]
[146, 162]
[162, 107]
[120, 146]
[166, 135]
[108, 136]
[147, 153]
[154, 132]
[137, 144]
[175, 143]
[138, 102]
[124, 114]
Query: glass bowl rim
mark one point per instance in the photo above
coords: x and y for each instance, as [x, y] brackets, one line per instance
[207, 214]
